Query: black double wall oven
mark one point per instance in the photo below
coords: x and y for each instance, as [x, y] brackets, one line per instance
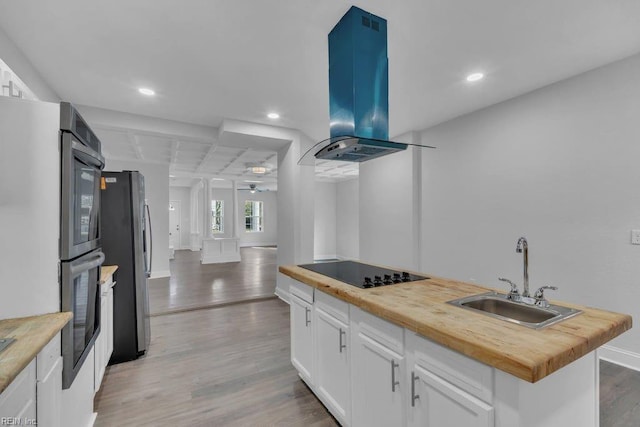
[80, 251]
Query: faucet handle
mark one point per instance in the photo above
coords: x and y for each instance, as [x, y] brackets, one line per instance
[539, 296]
[513, 293]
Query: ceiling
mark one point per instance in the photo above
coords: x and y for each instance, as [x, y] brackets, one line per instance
[211, 60]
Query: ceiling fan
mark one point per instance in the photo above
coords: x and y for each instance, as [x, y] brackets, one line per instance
[252, 189]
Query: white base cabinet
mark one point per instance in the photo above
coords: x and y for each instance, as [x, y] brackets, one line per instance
[370, 372]
[377, 372]
[34, 396]
[332, 383]
[301, 303]
[104, 341]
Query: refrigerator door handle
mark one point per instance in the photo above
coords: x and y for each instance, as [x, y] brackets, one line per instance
[96, 261]
[150, 248]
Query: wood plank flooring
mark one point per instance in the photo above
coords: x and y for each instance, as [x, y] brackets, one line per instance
[619, 396]
[230, 365]
[193, 285]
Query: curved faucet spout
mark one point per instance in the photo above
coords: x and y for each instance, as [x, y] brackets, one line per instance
[523, 248]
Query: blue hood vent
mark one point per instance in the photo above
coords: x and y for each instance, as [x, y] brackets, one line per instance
[358, 89]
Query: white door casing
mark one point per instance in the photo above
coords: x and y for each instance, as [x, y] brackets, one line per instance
[174, 224]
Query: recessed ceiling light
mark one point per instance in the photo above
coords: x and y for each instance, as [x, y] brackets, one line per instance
[475, 77]
[218, 179]
[258, 182]
[273, 116]
[146, 91]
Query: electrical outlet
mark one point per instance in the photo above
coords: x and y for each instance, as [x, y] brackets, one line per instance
[635, 237]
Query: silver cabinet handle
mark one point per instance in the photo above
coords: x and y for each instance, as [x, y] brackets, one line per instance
[342, 346]
[307, 318]
[394, 383]
[414, 396]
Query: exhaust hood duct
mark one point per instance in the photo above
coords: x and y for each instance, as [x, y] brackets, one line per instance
[358, 91]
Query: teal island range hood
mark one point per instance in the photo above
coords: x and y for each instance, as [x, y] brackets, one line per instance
[358, 92]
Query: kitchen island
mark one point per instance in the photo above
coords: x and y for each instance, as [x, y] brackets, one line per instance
[412, 359]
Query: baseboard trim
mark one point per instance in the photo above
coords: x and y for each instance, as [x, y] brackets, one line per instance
[325, 257]
[248, 245]
[160, 274]
[220, 259]
[619, 356]
[282, 294]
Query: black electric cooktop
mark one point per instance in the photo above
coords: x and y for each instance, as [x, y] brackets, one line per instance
[361, 275]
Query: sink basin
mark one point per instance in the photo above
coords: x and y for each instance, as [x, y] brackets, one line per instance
[5, 342]
[497, 305]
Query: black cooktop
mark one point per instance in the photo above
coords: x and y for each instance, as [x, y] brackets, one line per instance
[361, 275]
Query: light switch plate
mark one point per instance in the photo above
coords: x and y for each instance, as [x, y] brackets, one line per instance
[635, 237]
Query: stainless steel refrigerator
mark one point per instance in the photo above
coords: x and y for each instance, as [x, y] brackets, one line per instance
[127, 243]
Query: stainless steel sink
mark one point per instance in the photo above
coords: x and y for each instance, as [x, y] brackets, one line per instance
[497, 305]
[5, 342]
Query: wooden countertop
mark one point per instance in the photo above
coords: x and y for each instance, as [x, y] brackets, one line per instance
[526, 353]
[107, 271]
[31, 335]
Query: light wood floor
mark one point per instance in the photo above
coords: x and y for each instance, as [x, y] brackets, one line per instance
[193, 285]
[230, 365]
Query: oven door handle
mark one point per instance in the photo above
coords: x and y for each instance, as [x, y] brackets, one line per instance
[94, 262]
[87, 154]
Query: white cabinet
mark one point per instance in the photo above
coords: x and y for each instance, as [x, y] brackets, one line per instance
[378, 385]
[302, 333]
[333, 356]
[104, 341]
[34, 396]
[18, 401]
[438, 403]
[49, 383]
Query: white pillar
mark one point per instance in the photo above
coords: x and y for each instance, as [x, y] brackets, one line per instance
[234, 197]
[295, 209]
[206, 209]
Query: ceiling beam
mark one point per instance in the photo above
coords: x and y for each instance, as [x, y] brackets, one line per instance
[206, 157]
[232, 162]
[135, 144]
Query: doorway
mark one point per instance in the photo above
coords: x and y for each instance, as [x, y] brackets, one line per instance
[175, 241]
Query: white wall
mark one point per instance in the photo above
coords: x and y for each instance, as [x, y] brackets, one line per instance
[559, 166]
[324, 232]
[156, 179]
[347, 218]
[183, 194]
[388, 215]
[23, 68]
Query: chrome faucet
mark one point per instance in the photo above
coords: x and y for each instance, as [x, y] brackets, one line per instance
[523, 248]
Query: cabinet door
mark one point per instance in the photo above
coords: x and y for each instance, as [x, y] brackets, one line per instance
[377, 392]
[100, 362]
[435, 402]
[332, 364]
[49, 396]
[302, 337]
[109, 335]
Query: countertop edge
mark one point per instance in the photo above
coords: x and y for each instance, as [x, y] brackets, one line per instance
[106, 271]
[521, 367]
[28, 343]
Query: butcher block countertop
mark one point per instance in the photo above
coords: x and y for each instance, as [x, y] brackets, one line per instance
[526, 353]
[107, 271]
[31, 335]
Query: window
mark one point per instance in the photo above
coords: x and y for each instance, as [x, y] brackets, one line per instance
[217, 216]
[253, 216]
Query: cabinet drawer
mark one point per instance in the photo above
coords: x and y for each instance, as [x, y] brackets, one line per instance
[385, 333]
[302, 291]
[467, 374]
[333, 306]
[21, 393]
[48, 357]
